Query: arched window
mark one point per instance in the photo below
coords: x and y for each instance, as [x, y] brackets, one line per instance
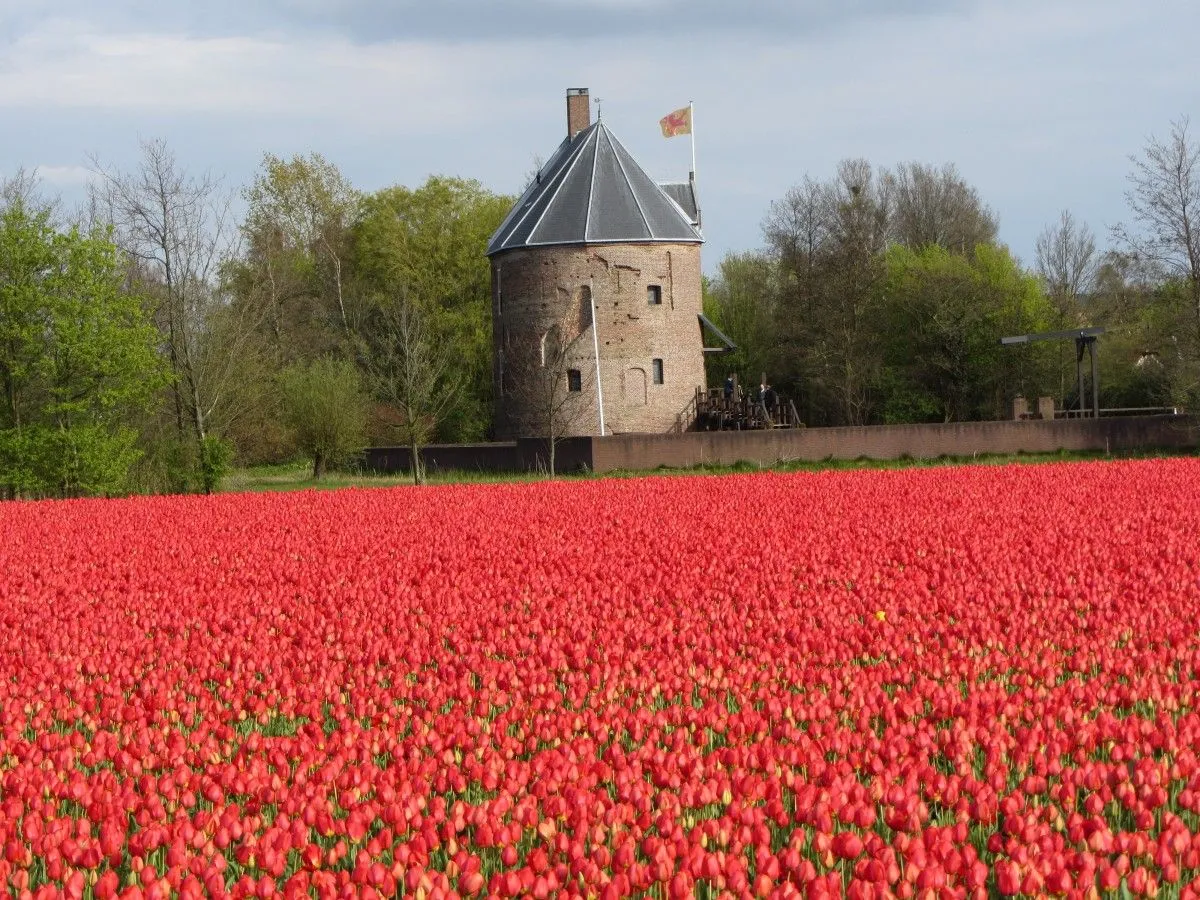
[633, 386]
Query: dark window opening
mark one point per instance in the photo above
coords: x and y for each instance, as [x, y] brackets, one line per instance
[586, 312]
[654, 294]
[574, 380]
[656, 366]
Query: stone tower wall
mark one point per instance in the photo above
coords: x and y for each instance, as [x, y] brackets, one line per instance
[535, 290]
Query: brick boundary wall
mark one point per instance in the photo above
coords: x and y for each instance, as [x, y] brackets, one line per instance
[523, 455]
[959, 439]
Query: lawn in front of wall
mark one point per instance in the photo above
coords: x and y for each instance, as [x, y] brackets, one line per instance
[298, 475]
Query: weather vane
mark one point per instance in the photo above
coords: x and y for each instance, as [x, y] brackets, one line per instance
[599, 111]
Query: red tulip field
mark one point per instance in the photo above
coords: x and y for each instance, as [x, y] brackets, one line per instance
[943, 682]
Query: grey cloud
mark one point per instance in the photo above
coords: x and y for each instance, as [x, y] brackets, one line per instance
[669, 19]
[474, 20]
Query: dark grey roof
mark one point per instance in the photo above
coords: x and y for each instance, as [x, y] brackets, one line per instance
[684, 193]
[592, 192]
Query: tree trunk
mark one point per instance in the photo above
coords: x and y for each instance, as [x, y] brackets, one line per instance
[337, 269]
[174, 358]
[418, 470]
[318, 466]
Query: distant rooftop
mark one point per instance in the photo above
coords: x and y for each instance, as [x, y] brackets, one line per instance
[684, 194]
[593, 192]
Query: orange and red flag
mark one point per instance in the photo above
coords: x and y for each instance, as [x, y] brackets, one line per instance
[677, 122]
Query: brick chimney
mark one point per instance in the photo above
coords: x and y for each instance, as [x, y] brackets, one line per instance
[579, 111]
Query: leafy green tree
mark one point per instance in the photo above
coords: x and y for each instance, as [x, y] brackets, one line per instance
[76, 357]
[326, 408]
[297, 235]
[1143, 362]
[432, 240]
[741, 302]
[944, 315]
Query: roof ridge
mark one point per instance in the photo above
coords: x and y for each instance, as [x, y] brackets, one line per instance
[517, 214]
[587, 219]
[563, 174]
[629, 184]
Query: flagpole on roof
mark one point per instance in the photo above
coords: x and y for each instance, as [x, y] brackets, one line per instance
[692, 120]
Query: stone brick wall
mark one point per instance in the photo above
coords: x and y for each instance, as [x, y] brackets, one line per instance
[537, 289]
[963, 439]
[646, 451]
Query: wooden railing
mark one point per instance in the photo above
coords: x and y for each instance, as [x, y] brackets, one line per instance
[712, 410]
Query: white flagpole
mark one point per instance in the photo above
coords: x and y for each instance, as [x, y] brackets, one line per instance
[596, 350]
[692, 121]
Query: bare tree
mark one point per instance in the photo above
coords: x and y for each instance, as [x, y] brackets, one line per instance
[1164, 198]
[798, 231]
[554, 380]
[24, 189]
[798, 227]
[936, 206]
[178, 233]
[534, 173]
[854, 273]
[1068, 263]
[827, 239]
[411, 370]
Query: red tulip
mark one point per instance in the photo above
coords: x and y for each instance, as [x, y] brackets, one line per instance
[455, 697]
[847, 845]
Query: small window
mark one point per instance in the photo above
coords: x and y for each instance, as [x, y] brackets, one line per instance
[574, 380]
[654, 294]
[656, 367]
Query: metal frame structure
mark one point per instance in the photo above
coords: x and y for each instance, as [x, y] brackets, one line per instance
[1085, 339]
[729, 347]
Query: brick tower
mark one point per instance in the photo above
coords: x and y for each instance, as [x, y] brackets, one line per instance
[596, 297]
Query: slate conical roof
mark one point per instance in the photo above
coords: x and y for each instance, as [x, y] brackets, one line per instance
[592, 192]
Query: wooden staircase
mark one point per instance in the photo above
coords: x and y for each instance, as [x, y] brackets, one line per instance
[711, 410]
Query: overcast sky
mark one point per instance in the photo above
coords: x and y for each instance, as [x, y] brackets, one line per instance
[1038, 102]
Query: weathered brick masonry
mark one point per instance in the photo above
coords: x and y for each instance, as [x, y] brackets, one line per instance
[535, 290]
